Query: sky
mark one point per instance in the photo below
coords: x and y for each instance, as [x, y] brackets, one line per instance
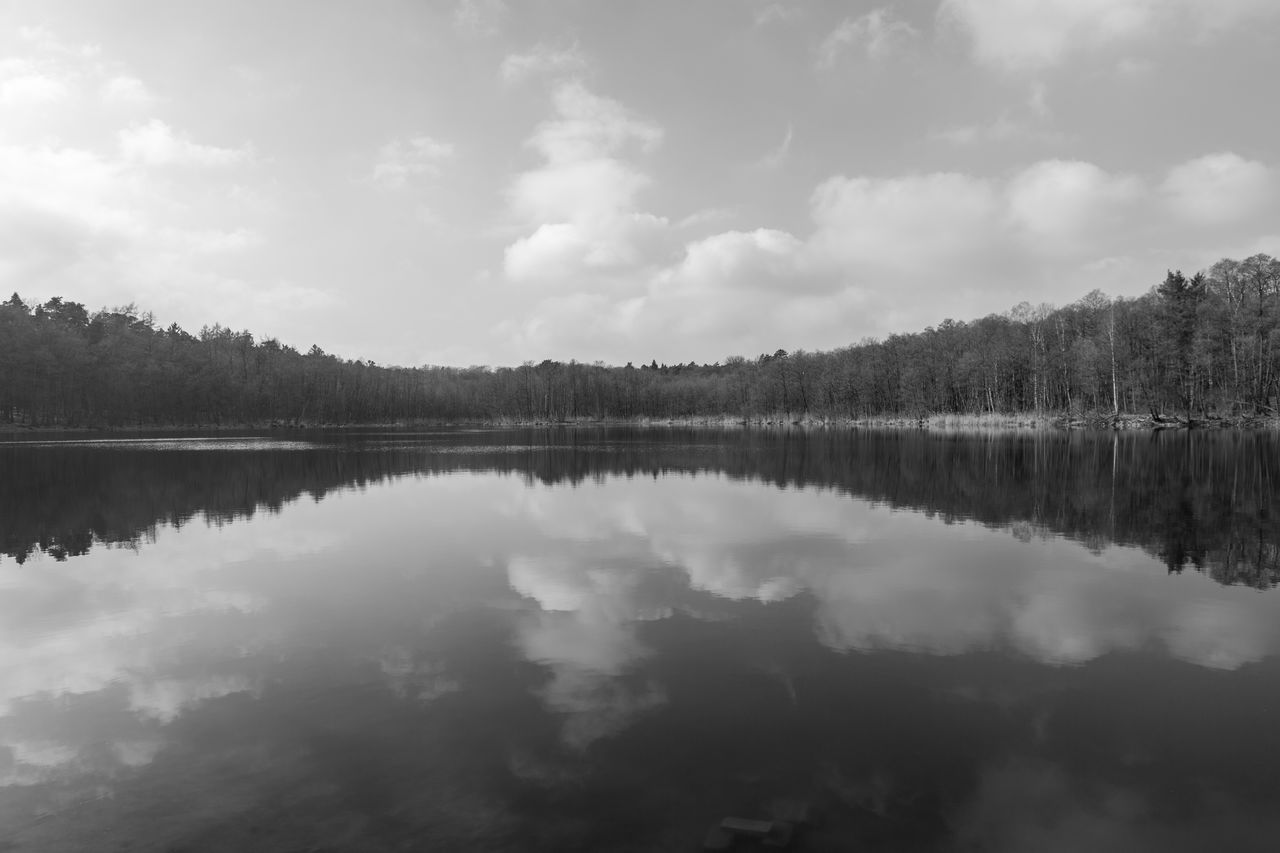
[490, 182]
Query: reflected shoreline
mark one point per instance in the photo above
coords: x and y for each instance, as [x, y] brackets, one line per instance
[1193, 500]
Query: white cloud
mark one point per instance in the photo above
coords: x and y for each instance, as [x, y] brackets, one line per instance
[707, 216]
[480, 17]
[878, 32]
[155, 144]
[1218, 15]
[543, 59]
[884, 254]
[723, 258]
[1220, 189]
[581, 200]
[1070, 205]
[1022, 35]
[582, 191]
[49, 71]
[560, 250]
[914, 223]
[778, 156]
[85, 225]
[29, 89]
[401, 161]
[44, 40]
[1018, 34]
[1004, 128]
[65, 180]
[89, 219]
[1026, 124]
[554, 249]
[776, 13]
[124, 90]
[589, 126]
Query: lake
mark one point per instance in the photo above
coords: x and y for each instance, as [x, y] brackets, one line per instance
[612, 639]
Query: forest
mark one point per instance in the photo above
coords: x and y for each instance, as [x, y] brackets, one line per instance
[1194, 347]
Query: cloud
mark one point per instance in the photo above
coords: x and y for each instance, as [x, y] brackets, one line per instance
[30, 89]
[581, 200]
[878, 32]
[580, 191]
[156, 144]
[1004, 128]
[914, 223]
[85, 225]
[882, 255]
[725, 258]
[403, 160]
[1026, 35]
[50, 71]
[876, 246]
[778, 156]
[561, 250]
[1009, 127]
[588, 126]
[124, 90]
[543, 59]
[1220, 189]
[1070, 205]
[72, 183]
[480, 17]
[776, 13]
[106, 220]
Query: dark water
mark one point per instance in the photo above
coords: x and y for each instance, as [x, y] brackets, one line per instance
[609, 640]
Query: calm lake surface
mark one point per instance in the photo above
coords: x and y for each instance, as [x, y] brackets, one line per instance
[611, 639]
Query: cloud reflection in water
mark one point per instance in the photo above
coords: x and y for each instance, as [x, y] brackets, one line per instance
[879, 578]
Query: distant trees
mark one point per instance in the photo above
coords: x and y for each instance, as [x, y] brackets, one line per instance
[1206, 343]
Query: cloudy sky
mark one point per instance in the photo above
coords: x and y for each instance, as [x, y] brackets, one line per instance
[490, 182]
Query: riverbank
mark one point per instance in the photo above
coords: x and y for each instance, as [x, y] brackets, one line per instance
[982, 421]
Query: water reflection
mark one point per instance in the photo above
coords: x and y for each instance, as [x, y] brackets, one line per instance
[1194, 500]
[630, 640]
[954, 589]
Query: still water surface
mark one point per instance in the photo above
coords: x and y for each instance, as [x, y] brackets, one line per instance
[610, 640]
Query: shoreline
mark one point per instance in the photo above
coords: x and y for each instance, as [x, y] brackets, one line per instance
[942, 422]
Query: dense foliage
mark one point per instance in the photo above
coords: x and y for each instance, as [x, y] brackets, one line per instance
[1200, 344]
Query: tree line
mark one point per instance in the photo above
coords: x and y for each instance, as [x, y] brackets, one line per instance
[1203, 344]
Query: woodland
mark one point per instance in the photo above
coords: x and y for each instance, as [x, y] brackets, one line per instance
[1199, 348]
